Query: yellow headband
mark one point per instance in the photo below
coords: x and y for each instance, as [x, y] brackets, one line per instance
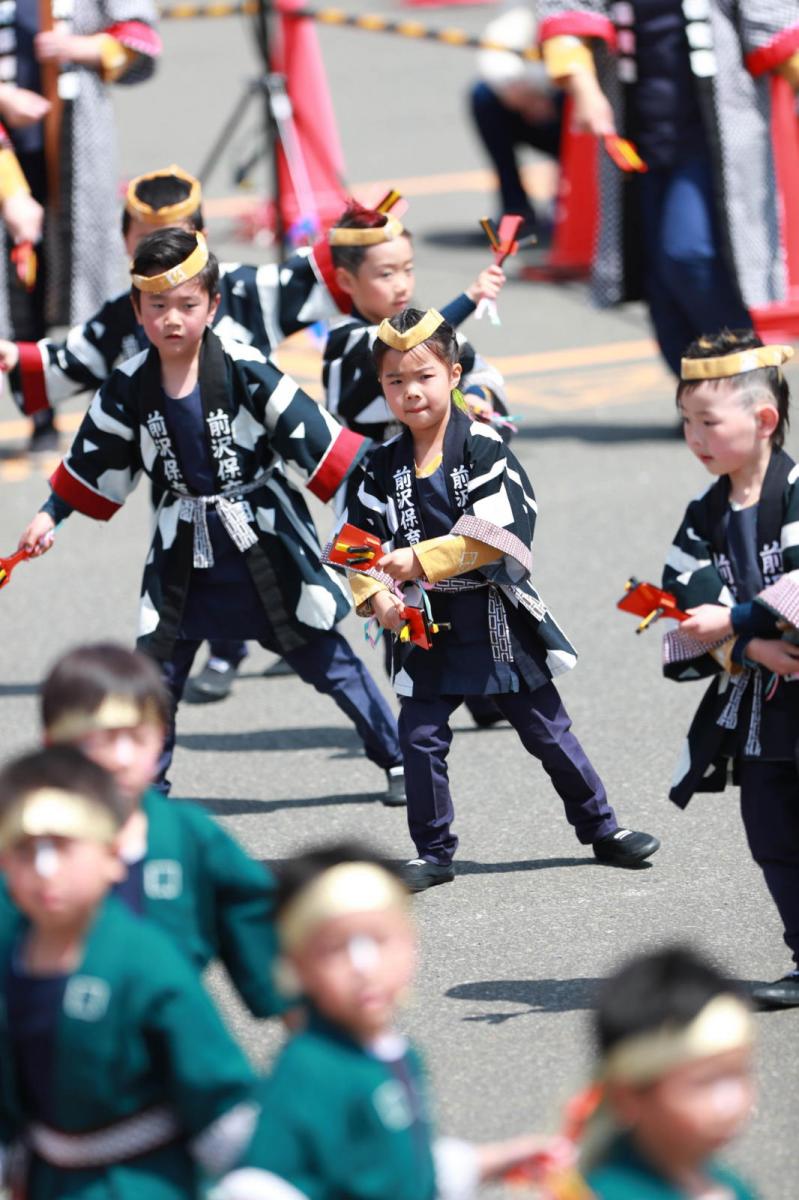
[342, 235]
[726, 365]
[420, 332]
[114, 712]
[51, 812]
[170, 214]
[725, 1023]
[182, 273]
[341, 890]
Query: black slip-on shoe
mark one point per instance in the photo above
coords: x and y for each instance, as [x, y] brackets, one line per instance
[213, 682]
[783, 993]
[418, 875]
[626, 848]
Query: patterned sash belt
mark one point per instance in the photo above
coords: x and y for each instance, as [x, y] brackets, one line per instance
[498, 627]
[232, 514]
[136, 1135]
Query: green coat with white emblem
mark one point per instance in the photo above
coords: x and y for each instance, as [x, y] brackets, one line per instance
[339, 1123]
[624, 1175]
[136, 1032]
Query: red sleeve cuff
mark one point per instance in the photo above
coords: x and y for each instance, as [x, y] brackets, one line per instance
[578, 24]
[80, 496]
[777, 51]
[31, 378]
[333, 469]
[138, 36]
[322, 260]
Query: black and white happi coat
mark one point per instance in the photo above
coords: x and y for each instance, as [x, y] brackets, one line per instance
[734, 718]
[257, 421]
[352, 390]
[488, 497]
[84, 251]
[259, 306]
[735, 50]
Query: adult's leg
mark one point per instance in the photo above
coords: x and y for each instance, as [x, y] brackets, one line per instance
[331, 666]
[175, 672]
[692, 265]
[672, 328]
[425, 737]
[501, 131]
[770, 811]
[544, 727]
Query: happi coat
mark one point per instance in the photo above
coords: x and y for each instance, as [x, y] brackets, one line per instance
[734, 717]
[258, 421]
[259, 306]
[490, 500]
[342, 1121]
[83, 247]
[624, 1175]
[737, 48]
[136, 1033]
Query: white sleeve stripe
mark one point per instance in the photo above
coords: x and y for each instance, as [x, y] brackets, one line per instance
[790, 535]
[497, 468]
[679, 560]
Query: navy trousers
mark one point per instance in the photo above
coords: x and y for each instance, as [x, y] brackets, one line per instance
[544, 728]
[770, 811]
[331, 666]
[687, 283]
[501, 130]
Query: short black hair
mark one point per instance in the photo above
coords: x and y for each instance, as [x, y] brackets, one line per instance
[161, 192]
[750, 384]
[164, 249]
[294, 874]
[442, 341]
[82, 678]
[65, 769]
[663, 987]
[356, 216]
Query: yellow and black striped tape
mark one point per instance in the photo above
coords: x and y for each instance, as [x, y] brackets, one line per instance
[370, 22]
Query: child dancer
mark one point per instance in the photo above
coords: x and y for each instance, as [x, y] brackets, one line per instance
[234, 549]
[675, 1072]
[454, 509]
[736, 538]
[183, 870]
[116, 1073]
[345, 1109]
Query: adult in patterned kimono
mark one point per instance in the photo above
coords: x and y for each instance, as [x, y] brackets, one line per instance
[345, 1109]
[259, 306]
[740, 536]
[118, 1079]
[234, 549]
[95, 43]
[454, 509]
[696, 84]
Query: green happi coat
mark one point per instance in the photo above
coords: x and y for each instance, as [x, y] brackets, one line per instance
[212, 899]
[339, 1123]
[624, 1175]
[136, 1031]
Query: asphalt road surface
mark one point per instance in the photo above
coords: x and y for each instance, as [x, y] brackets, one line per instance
[512, 952]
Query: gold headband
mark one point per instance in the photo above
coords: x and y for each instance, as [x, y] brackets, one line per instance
[51, 812]
[114, 712]
[725, 1023]
[726, 365]
[347, 888]
[170, 214]
[342, 235]
[420, 332]
[182, 273]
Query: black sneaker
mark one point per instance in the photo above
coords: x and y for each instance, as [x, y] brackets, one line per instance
[783, 993]
[418, 875]
[213, 682]
[278, 669]
[626, 848]
[394, 795]
[44, 438]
